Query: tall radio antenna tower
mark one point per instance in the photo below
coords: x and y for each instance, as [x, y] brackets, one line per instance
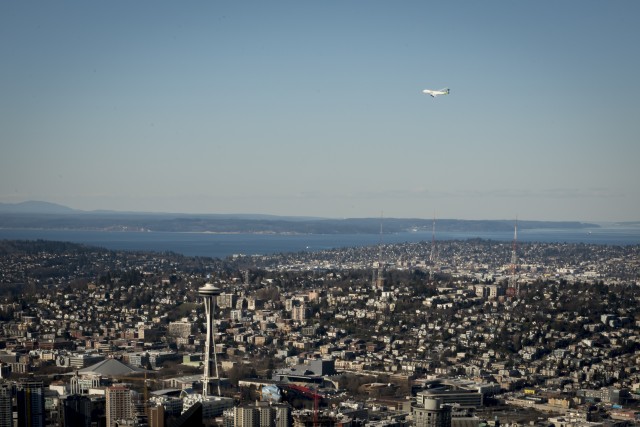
[433, 255]
[514, 260]
[378, 278]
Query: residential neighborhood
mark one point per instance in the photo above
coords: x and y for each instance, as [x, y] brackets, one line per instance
[387, 335]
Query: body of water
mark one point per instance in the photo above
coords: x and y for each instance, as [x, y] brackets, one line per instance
[223, 245]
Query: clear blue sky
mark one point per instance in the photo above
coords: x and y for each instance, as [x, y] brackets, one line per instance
[315, 107]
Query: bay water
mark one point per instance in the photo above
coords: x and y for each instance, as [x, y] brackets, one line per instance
[222, 245]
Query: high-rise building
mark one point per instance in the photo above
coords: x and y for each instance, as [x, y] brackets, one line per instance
[118, 406]
[227, 300]
[260, 414]
[30, 398]
[300, 312]
[267, 414]
[229, 417]
[283, 415]
[6, 410]
[247, 416]
[83, 410]
[77, 411]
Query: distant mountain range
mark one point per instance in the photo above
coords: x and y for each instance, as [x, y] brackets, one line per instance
[35, 207]
[44, 215]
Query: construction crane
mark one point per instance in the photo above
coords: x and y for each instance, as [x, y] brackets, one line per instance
[308, 393]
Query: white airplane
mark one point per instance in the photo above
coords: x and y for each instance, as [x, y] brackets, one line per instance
[435, 93]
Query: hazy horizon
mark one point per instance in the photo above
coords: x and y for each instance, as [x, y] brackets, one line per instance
[315, 108]
[266, 215]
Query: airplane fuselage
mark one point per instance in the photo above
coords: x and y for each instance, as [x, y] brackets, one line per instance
[434, 93]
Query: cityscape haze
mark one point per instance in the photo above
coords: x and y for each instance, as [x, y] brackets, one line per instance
[316, 108]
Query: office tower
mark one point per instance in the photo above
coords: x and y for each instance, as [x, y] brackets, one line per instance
[267, 414]
[6, 410]
[283, 415]
[119, 406]
[247, 416]
[77, 411]
[30, 397]
[209, 293]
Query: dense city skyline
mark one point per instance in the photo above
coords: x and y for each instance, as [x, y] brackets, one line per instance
[315, 109]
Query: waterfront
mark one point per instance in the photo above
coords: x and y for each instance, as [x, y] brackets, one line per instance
[224, 245]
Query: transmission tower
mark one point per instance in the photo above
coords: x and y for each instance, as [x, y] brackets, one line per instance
[378, 273]
[433, 256]
[513, 282]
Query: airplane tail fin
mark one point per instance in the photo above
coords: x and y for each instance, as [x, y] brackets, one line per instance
[447, 91]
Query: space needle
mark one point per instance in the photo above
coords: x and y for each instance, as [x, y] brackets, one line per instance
[208, 292]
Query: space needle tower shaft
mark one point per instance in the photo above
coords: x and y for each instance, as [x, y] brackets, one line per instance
[209, 293]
